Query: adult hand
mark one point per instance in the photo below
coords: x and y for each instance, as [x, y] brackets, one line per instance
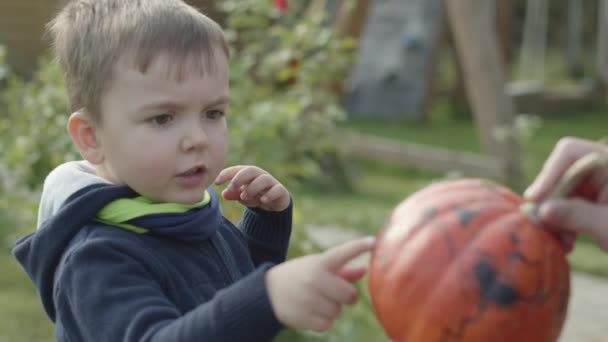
[585, 209]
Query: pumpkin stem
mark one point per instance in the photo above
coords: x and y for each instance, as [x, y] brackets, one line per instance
[573, 175]
[530, 209]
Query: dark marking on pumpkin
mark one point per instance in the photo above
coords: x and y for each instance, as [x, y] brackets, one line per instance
[492, 290]
[449, 243]
[494, 293]
[515, 256]
[514, 238]
[457, 333]
[465, 216]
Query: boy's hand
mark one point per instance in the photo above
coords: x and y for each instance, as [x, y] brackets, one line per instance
[308, 292]
[254, 188]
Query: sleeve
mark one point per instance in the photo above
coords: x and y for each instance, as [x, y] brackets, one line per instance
[106, 293]
[267, 233]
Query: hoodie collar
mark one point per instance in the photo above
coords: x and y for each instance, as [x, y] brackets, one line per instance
[39, 253]
[64, 181]
[72, 197]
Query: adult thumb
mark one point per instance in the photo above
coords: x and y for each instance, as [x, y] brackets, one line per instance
[579, 216]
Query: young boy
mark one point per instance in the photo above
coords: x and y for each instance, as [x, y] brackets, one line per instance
[131, 244]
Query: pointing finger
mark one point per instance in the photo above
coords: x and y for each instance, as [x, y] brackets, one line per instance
[336, 257]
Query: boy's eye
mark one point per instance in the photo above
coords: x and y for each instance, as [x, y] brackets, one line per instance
[214, 114]
[162, 119]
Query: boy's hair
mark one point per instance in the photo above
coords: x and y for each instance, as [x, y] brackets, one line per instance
[90, 36]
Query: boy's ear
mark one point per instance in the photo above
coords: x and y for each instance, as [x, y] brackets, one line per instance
[82, 129]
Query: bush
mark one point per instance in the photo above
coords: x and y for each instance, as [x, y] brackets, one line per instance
[33, 128]
[31, 141]
[285, 75]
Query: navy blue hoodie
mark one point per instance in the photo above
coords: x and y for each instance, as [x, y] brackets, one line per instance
[103, 283]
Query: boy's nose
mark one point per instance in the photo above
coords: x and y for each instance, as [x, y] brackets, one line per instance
[196, 138]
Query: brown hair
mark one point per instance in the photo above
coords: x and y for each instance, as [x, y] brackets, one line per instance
[90, 36]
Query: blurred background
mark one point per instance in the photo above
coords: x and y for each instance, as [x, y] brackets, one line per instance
[354, 105]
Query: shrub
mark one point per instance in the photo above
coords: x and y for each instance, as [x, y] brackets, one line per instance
[285, 72]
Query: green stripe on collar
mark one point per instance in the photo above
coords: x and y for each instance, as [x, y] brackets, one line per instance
[120, 211]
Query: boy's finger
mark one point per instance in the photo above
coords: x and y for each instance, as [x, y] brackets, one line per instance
[231, 195]
[340, 291]
[228, 173]
[244, 176]
[317, 324]
[327, 309]
[352, 274]
[277, 198]
[336, 257]
[259, 185]
[273, 193]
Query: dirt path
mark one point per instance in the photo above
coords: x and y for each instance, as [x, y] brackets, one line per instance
[587, 319]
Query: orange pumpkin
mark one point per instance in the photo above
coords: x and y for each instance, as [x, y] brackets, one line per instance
[459, 261]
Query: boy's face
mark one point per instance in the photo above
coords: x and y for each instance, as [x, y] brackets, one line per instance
[165, 139]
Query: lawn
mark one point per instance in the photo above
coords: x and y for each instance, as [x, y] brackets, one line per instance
[378, 188]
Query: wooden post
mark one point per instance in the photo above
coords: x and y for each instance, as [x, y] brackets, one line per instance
[351, 18]
[434, 58]
[504, 15]
[476, 44]
[533, 49]
[573, 38]
[602, 42]
[423, 157]
[350, 21]
[315, 7]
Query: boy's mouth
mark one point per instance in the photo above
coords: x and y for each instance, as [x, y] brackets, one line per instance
[193, 177]
[192, 172]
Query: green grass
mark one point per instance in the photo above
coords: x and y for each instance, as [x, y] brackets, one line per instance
[378, 188]
[21, 315]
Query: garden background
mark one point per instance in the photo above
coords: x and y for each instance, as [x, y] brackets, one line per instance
[290, 72]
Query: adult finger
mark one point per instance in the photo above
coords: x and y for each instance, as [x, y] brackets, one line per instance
[567, 240]
[578, 215]
[566, 152]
